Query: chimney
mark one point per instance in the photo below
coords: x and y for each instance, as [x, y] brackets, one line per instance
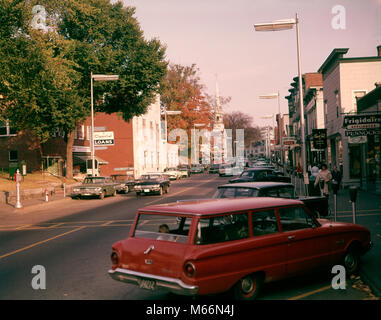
[379, 50]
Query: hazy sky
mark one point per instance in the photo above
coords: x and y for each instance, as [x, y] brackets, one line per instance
[219, 37]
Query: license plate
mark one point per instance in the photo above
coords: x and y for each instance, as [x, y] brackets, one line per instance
[146, 190]
[147, 284]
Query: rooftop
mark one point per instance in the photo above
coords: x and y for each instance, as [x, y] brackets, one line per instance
[218, 206]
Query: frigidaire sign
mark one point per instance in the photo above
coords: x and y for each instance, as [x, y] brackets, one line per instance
[359, 121]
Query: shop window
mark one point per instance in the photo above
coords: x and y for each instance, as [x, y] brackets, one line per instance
[354, 162]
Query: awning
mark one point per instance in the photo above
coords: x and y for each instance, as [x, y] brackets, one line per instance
[81, 159]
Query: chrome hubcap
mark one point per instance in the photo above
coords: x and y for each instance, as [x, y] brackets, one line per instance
[247, 285]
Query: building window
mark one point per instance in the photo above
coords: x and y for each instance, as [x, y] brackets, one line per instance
[357, 94]
[6, 130]
[79, 132]
[13, 156]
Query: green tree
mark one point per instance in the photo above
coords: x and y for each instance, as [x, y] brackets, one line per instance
[46, 73]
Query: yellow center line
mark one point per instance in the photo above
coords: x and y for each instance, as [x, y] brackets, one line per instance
[107, 223]
[307, 294]
[40, 242]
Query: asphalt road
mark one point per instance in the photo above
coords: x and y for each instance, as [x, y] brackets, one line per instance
[75, 248]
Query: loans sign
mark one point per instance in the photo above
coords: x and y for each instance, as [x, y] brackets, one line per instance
[105, 138]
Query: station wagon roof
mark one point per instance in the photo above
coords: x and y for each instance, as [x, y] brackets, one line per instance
[217, 206]
[256, 185]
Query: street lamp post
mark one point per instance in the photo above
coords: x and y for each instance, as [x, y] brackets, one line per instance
[286, 25]
[274, 96]
[96, 77]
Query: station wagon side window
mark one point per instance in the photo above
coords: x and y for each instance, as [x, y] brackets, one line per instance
[295, 218]
[226, 193]
[222, 228]
[264, 222]
[286, 192]
[162, 227]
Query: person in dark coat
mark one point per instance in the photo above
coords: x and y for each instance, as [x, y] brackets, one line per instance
[336, 175]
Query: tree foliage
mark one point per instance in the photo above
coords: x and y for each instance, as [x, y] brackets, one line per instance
[239, 120]
[45, 78]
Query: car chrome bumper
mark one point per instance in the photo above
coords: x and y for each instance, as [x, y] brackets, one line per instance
[170, 284]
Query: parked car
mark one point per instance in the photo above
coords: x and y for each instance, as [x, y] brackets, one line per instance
[95, 187]
[124, 182]
[173, 173]
[197, 168]
[185, 168]
[152, 183]
[260, 174]
[317, 205]
[212, 246]
[214, 168]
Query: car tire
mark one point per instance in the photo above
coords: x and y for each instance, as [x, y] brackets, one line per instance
[351, 261]
[102, 195]
[248, 287]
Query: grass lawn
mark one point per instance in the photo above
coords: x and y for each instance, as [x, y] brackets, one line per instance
[30, 181]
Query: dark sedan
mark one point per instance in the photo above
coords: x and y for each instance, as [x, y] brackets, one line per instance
[152, 183]
[260, 174]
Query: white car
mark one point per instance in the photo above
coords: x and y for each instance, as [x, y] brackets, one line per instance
[173, 173]
[226, 170]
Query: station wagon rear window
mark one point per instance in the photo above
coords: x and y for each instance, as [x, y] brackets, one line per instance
[163, 227]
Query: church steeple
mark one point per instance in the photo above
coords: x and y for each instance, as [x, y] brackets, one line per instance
[218, 116]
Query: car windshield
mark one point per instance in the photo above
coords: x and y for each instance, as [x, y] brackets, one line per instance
[94, 180]
[247, 174]
[163, 227]
[150, 177]
[235, 193]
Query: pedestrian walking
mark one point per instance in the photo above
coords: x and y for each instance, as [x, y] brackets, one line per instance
[336, 175]
[324, 177]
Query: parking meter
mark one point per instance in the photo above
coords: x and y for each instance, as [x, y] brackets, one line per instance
[353, 196]
[353, 193]
[335, 186]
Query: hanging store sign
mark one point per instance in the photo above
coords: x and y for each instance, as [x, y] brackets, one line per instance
[289, 141]
[105, 138]
[364, 132]
[361, 121]
[319, 138]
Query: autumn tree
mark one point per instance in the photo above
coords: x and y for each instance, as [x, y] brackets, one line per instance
[182, 90]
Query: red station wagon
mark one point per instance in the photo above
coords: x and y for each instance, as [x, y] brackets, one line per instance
[212, 246]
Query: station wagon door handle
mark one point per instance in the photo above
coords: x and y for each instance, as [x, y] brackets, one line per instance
[291, 237]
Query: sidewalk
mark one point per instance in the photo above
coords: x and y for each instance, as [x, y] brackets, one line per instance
[368, 214]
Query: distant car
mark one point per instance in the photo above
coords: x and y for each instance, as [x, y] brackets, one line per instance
[260, 174]
[237, 245]
[95, 187]
[185, 168]
[125, 182]
[152, 183]
[214, 168]
[197, 168]
[173, 173]
[317, 205]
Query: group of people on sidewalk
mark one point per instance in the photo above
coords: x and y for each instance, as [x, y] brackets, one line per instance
[321, 178]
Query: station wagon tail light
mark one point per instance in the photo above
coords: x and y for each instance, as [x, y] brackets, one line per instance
[189, 269]
[114, 258]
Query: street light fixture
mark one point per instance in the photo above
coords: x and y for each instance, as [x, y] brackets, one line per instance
[274, 96]
[96, 77]
[286, 25]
